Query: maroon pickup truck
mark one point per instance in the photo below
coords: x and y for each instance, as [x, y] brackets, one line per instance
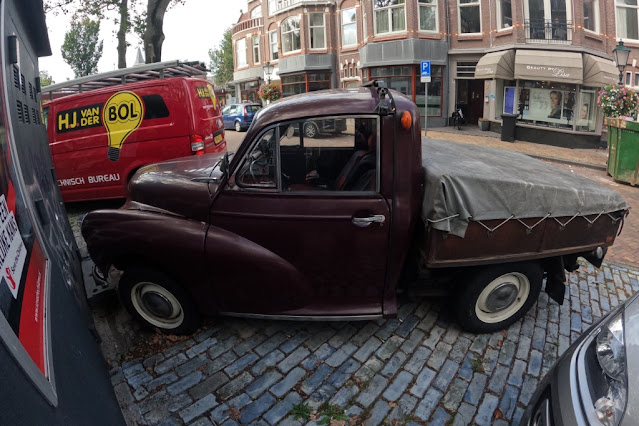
[334, 227]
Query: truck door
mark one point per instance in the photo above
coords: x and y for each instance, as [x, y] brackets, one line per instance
[50, 364]
[316, 204]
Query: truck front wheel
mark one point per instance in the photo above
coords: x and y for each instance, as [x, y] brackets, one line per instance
[157, 301]
[496, 296]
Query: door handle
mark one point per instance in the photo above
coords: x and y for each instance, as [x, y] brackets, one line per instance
[363, 222]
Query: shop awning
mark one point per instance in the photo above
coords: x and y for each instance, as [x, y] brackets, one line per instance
[599, 72]
[545, 65]
[496, 65]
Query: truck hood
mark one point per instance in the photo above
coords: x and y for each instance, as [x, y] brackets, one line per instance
[170, 186]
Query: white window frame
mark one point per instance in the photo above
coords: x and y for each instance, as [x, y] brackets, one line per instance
[389, 10]
[419, 16]
[256, 12]
[311, 27]
[254, 47]
[475, 3]
[628, 79]
[240, 53]
[617, 20]
[500, 16]
[273, 44]
[595, 17]
[284, 34]
[354, 10]
[547, 11]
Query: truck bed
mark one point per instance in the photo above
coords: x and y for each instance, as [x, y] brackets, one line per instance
[483, 205]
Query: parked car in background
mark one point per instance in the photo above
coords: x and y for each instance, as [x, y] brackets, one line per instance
[100, 138]
[316, 128]
[239, 116]
[596, 381]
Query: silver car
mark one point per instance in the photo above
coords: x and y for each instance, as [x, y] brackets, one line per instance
[596, 381]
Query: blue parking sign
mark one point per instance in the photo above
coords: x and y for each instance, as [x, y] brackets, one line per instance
[425, 68]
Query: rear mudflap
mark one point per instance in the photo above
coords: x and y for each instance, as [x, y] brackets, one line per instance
[556, 279]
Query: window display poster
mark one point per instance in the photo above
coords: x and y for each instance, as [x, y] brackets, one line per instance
[554, 106]
[509, 100]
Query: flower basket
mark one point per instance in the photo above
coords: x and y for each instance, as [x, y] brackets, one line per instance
[618, 101]
[269, 92]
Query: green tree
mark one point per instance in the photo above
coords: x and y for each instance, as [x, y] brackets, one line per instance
[222, 59]
[81, 48]
[45, 78]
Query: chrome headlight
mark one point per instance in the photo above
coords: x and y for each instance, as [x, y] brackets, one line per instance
[602, 372]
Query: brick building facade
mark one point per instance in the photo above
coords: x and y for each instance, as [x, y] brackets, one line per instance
[541, 59]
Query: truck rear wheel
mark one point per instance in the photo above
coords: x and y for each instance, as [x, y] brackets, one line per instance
[497, 296]
[157, 301]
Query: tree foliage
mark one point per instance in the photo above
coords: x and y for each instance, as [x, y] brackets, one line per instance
[81, 48]
[222, 59]
[45, 78]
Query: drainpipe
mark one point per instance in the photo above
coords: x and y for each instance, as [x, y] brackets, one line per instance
[448, 39]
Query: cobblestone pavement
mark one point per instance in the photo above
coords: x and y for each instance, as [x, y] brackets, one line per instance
[416, 369]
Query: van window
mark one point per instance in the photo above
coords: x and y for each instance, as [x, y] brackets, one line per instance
[154, 107]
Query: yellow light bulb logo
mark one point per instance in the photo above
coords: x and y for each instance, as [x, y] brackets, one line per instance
[122, 114]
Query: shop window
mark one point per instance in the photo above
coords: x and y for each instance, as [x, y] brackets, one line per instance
[240, 53]
[428, 15]
[256, 12]
[587, 111]
[591, 15]
[469, 17]
[504, 14]
[256, 48]
[291, 34]
[272, 40]
[627, 19]
[302, 83]
[349, 28]
[390, 16]
[548, 104]
[316, 30]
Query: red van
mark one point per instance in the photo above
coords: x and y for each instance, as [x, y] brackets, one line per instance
[98, 139]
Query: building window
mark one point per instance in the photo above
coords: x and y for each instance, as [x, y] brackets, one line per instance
[428, 15]
[591, 15]
[390, 16]
[504, 14]
[272, 6]
[316, 30]
[272, 37]
[548, 104]
[627, 22]
[349, 28]
[291, 35]
[628, 80]
[256, 12]
[256, 49]
[240, 52]
[469, 17]
[302, 83]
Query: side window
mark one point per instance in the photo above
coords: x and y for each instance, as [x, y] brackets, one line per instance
[259, 167]
[154, 107]
[330, 154]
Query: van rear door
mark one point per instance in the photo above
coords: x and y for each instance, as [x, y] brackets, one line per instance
[208, 129]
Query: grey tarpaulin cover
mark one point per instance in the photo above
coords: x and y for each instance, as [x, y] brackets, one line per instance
[480, 183]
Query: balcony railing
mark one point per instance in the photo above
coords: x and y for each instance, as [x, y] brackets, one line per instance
[247, 25]
[548, 31]
[277, 6]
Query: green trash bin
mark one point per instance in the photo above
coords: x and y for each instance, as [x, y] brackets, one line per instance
[623, 150]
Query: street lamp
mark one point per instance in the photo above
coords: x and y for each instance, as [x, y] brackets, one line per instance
[621, 58]
[268, 70]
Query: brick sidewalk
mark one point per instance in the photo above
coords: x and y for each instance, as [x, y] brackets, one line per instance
[416, 369]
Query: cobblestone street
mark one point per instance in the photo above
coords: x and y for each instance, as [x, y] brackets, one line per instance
[416, 369]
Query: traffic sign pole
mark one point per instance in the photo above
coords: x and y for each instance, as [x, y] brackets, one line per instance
[425, 78]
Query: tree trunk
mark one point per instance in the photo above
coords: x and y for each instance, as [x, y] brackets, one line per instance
[154, 36]
[124, 20]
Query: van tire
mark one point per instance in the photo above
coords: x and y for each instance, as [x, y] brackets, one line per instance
[238, 126]
[154, 299]
[494, 297]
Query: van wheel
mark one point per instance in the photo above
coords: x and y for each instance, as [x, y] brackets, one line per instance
[310, 130]
[157, 301]
[497, 296]
[238, 126]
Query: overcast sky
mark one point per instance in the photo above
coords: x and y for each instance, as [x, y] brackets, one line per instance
[190, 30]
